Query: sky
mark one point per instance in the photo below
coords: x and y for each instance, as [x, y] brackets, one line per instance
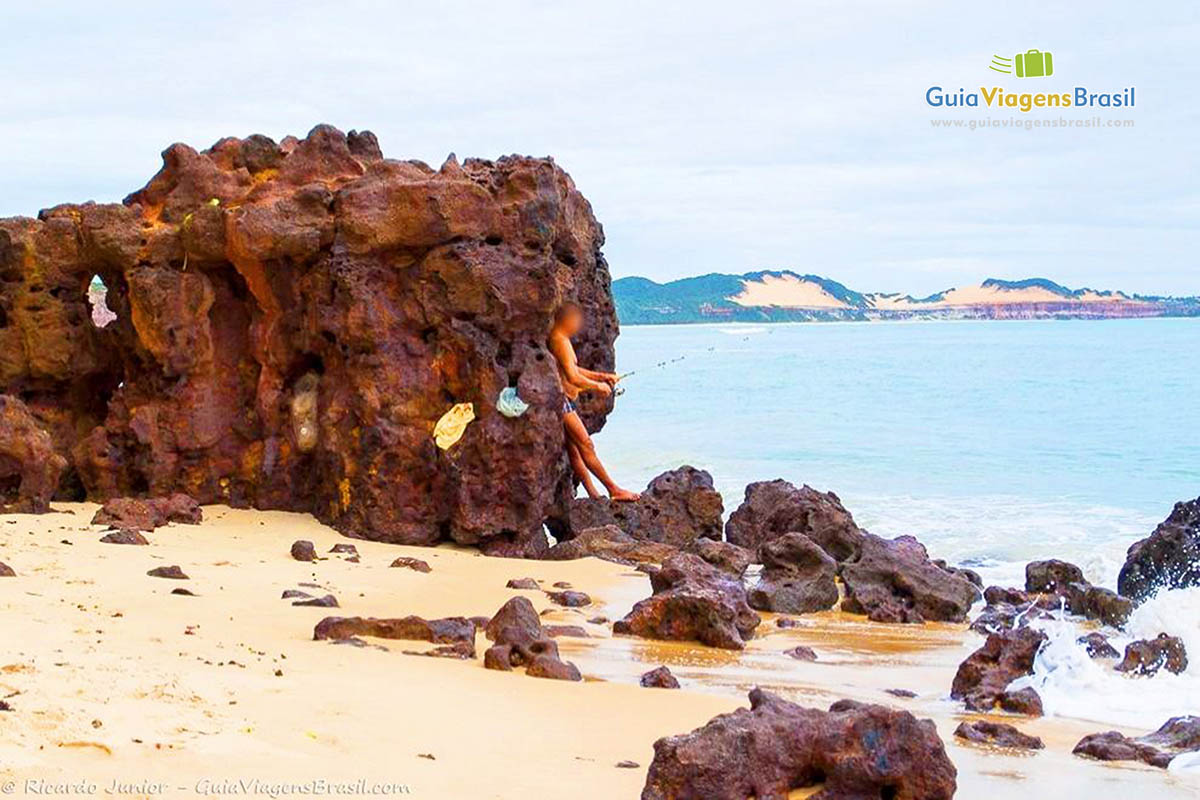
[708, 136]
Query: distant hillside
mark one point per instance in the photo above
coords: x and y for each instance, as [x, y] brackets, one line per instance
[786, 296]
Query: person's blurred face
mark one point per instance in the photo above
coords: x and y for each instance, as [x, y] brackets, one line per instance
[571, 321]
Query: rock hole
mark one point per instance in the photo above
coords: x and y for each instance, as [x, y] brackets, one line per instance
[494, 240]
[10, 488]
[3, 318]
[887, 793]
[97, 296]
[504, 354]
[139, 485]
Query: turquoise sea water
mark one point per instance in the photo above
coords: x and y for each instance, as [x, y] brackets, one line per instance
[993, 442]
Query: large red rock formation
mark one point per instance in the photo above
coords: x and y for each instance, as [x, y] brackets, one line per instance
[291, 321]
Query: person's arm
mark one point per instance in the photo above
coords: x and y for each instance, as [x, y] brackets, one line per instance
[562, 350]
[609, 378]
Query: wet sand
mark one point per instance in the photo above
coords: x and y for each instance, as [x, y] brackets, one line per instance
[112, 677]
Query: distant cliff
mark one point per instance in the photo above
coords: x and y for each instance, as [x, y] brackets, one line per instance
[785, 296]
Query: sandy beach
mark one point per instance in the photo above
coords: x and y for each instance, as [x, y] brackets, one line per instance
[112, 678]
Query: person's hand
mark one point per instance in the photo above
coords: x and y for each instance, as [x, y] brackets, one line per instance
[603, 389]
[610, 378]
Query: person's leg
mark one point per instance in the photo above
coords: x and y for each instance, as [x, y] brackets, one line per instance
[581, 471]
[577, 435]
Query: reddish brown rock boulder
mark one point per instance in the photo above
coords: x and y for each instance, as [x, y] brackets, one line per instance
[304, 550]
[893, 580]
[6, 571]
[1178, 735]
[854, 750]
[1051, 575]
[291, 322]
[131, 513]
[611, 544]
[172, 572]
[30, 468]
[525, 584]
[659, 678]
[124, 537]
[724, 556]
[773, 508]
[1148, 656]
[997, 734]
[448, 630]
[1169, 558]
[797, 577]
[415, 564]
[692, 600]
[1097, 645]
[801, 653]
[520, 640]
[982, 679]
[677, 508]
[569, 598]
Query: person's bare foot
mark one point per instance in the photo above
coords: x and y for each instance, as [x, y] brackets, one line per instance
[623, 495]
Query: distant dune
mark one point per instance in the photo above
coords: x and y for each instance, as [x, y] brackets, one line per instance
[786, 296]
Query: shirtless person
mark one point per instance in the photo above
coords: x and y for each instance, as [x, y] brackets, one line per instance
[568, 321]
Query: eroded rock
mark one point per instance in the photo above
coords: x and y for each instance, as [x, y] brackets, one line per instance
[1178, 735]
[798, 577]
[30, 468]
[676, 508]
[136, 514]
[997, 734]
[415, 564]
[692, 600]
[893, 580]
[520, 640]
[447, 630]
[659, 678]
[124, 537]
[611, 544]
[982, 679]
[855, 750]
[172, 572]
[1169, 558]
[1148, 656]
[303, 550]
[773, 508]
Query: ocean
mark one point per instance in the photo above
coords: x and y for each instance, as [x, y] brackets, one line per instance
[994, 443]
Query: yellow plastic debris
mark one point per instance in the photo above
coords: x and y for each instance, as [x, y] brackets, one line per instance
[453, 424]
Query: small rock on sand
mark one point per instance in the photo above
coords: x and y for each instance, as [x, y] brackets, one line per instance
[627, 765]
[415, 564]
[570, 599]
[555, 631]
[328, 601]
[6, 571]
[901, 693]
[348, 549]
[997, 734]
[294, 594]
[303, 550]
[124, 537]
[801, 653]
[184, 592]
[173, 572]
[523, 583]
[659, 678]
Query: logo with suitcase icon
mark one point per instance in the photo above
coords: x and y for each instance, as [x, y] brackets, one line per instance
[1030, 64]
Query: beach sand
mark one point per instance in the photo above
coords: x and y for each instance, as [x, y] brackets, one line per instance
[113, 678]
